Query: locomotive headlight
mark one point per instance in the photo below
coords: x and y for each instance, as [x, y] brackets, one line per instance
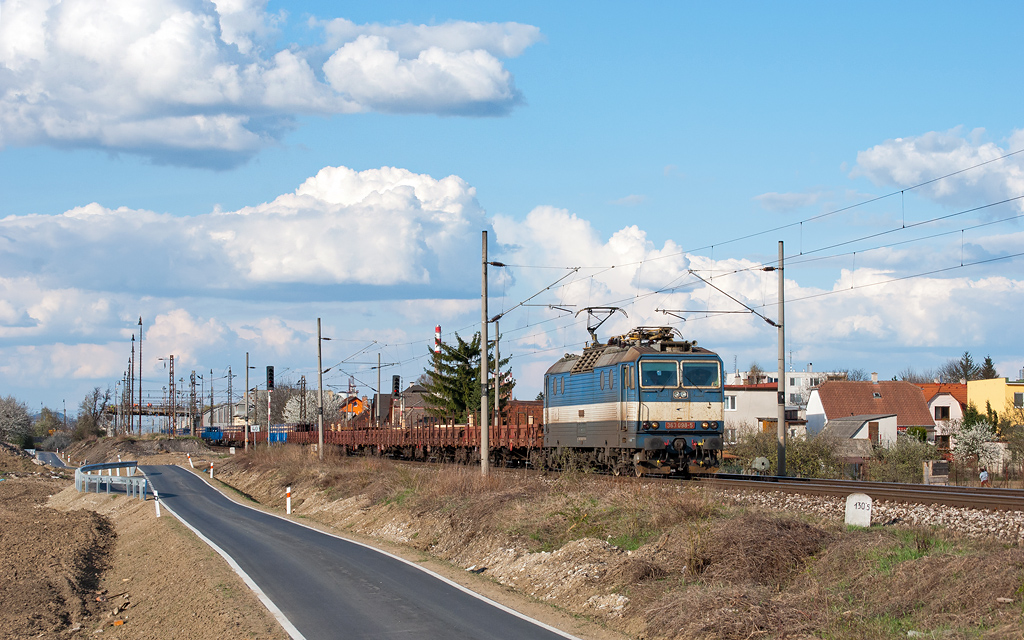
[704, 425]
[654, 425]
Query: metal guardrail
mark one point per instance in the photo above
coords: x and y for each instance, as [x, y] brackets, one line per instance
[90, 475]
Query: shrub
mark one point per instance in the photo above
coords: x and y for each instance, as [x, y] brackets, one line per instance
[902, 462]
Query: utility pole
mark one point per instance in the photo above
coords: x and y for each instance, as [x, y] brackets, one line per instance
[485, 449]
[211, 398]
[782, 435]
[378, 390]
[320, 392]
[246, 436]
[497, 376]
[231, 401]
[140, 375]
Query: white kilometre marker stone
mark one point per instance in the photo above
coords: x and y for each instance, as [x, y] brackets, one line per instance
[858, 510]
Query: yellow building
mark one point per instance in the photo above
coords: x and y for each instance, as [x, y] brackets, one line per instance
[1004, 397]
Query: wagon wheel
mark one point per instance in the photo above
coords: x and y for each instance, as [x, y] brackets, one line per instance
[638, 470]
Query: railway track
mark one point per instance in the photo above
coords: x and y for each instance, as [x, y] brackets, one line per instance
[992, 498]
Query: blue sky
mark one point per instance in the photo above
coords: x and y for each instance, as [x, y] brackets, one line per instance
[152, 156]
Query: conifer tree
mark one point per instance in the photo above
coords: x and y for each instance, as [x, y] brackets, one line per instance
[988, 369]
[453, 386]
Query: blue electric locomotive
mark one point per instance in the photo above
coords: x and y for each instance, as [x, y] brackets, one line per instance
[644, 403]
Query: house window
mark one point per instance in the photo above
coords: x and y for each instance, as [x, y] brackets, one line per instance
[873, 432]
[730, 403]
[1018, 400]
[815, 382]
[730, 436]
[794, 398]
[941, 442]
[942, 413]
[792, 382]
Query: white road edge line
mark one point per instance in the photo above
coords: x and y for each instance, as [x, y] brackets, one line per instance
[267, 602]
[458, 586]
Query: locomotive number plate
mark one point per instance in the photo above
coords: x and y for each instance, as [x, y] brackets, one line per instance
[681, 425]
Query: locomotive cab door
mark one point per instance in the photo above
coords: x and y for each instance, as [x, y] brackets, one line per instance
[627, 405]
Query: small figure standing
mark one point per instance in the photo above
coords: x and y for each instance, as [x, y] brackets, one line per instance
[983, 476]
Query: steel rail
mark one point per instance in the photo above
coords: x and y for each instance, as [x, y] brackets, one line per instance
[968, 497]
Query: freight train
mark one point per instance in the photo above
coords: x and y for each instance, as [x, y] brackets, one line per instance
[645, 403]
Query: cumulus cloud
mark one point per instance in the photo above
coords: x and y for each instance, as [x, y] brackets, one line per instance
[904, 162]
[829, 324]
[383, 227]
[197, 83]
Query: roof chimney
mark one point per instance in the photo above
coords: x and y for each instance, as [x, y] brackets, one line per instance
[810, 367]
[874, 377]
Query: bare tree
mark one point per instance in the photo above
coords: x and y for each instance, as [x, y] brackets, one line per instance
[962, 368]
[755, 373]
[92, 414]
[909, 374]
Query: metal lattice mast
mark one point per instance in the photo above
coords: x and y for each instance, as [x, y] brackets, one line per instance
[302, 400]
[174, 401]
[231, 401]
[192, 403]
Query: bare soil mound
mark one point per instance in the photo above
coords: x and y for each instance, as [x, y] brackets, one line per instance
[51, 561]
[129, 448]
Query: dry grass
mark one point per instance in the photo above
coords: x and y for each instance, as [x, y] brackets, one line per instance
[698, 569]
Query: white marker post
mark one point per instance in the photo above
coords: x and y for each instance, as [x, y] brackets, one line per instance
[190, 460]
[156, 499]
[211, 471]
[288, 501]
[858, 510]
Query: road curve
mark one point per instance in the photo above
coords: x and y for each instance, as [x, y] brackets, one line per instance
[328, 587]
[50, 458]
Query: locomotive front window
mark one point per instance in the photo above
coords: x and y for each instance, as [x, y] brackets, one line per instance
[701, 374]
[659, 374]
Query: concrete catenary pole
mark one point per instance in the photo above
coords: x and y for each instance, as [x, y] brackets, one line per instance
[485, 451]
[782, 369]
[377, 417]
[497, 376]
[320, 392]
[245, 438]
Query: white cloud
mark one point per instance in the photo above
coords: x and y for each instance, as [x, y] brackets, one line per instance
[786, 202]
[504, 40]
[380, 227]
[193, 83]
[385, 254]
[904, 162]
[631, 200]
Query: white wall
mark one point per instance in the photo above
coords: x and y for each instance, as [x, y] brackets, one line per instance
[815, 414]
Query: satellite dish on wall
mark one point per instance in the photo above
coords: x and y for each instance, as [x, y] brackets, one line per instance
[760, 464]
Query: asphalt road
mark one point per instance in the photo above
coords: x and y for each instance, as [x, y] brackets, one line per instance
[331, 588]
[50, 458]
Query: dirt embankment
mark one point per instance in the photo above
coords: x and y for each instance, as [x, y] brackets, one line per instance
[649, 560]
[77, 565]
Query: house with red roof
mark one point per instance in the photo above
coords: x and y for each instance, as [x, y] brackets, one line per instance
[843, 399]
[946, 402]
